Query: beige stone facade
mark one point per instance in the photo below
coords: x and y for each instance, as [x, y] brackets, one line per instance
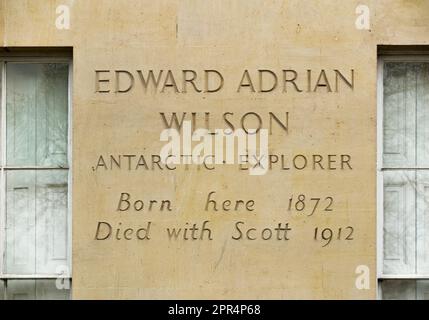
[331, 135]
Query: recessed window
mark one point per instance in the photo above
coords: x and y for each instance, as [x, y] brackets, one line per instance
[35, 211]
[403, 170]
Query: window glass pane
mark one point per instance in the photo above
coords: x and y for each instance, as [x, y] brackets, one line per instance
[398, 289]
[405, 289]
[51, 221]
[1, 290]
[423, 290]
[399, 110]
[37, 221]
[36, 114]
[399, 217]
[422, 222]
[406, 222]
[35, 289]
[422, 115]
[20, 222]
[21, 290]
[406, 115]
[47, 290]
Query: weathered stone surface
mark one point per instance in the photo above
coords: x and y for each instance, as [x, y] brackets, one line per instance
[230, 37]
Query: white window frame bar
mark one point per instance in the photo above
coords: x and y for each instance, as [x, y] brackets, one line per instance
[380, 187]
[3, 168]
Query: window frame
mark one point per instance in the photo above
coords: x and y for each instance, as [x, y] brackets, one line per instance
[386, 57]
[4, 59]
